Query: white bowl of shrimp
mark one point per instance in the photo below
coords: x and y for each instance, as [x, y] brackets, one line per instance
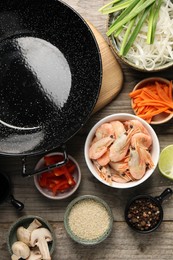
[122, 150]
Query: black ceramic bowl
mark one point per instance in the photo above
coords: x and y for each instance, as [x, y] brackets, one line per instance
[144, 213]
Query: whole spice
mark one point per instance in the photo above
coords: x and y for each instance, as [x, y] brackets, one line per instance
[143, 214]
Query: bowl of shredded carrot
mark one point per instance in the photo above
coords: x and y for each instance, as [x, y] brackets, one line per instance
[152, 100]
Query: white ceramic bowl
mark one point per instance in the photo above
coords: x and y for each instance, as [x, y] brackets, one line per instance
[155, 151]
[47, 193]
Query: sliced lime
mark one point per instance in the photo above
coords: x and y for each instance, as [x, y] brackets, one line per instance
[166, 162]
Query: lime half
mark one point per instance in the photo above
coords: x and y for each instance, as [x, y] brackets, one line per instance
[166, 162]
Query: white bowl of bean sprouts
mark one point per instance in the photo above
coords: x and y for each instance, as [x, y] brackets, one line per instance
[122, 150]
[141, 55]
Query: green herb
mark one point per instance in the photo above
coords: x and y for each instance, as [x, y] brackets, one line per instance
[107, 5]
[122, 16]
[150, 24]
[132, 14]
[135, 11]
[116, 7]
[126, 36]
[137, 29]
[157, 9]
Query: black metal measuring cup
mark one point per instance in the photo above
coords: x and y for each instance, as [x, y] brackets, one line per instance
[144, 213]
[6, 192]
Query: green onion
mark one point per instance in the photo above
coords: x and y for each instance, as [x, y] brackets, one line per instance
[121, 17]
[155, 20]
[130, 15]
[150, 23]
[137, 29]
[126, 36]
[109, 4]
[128, 31]
[117, 7]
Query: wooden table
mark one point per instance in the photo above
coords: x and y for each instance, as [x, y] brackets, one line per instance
[123, 243]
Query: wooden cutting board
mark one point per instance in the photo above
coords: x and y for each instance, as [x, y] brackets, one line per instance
[112, 79]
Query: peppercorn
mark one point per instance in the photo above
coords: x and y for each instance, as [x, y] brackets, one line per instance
[143, 214]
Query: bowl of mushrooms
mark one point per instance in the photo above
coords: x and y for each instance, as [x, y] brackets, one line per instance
[30, 237]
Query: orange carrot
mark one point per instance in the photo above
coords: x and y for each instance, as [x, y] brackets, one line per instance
[153, 99]
[170, 90]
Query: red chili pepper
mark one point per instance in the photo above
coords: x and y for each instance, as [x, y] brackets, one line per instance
[52, 159]
[60, 186]
[59, 179]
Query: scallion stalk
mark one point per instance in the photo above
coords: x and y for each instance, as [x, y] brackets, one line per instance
[155, 20]
[126, 36]
[118, 7]
[150, 23]
[127, 33]
[130, 15]
[109, 4]
[122, 16]
[141, 20]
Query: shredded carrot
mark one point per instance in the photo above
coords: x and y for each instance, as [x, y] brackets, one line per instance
[153, 99]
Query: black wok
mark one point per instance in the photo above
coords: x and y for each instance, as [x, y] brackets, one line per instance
[50, 75]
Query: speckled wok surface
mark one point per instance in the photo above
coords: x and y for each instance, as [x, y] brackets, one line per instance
[50, 71]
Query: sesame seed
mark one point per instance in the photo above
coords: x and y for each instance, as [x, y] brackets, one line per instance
[89, 219]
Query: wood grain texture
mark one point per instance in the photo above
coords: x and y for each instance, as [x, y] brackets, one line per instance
[123, 244]
[112, 76]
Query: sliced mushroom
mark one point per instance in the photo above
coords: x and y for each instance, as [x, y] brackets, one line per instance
[20, 249]
[35, 254]
[34, 224]
[40, 237]
[15, 257]
[24, 234]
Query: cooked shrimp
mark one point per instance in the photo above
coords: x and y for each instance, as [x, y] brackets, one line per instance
[137, 165]
[120, 151]
[118, 128]
[120, 146]
[104, 172]
[141, 140]
[104, 159]
[100, 147]
[147, 158]
[120, 166]
[118, 177]
[135, 124]
[104, 130]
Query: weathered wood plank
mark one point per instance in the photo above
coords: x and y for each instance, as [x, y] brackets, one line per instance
[122, 244]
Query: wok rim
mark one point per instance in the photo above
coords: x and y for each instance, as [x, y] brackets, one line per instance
[49, 149]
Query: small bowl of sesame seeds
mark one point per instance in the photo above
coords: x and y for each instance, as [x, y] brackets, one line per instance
[88, 220]
[144, 213]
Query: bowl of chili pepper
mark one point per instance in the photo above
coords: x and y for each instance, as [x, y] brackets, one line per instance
[60, 182]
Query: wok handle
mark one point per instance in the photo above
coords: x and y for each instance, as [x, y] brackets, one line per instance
[47, 168]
